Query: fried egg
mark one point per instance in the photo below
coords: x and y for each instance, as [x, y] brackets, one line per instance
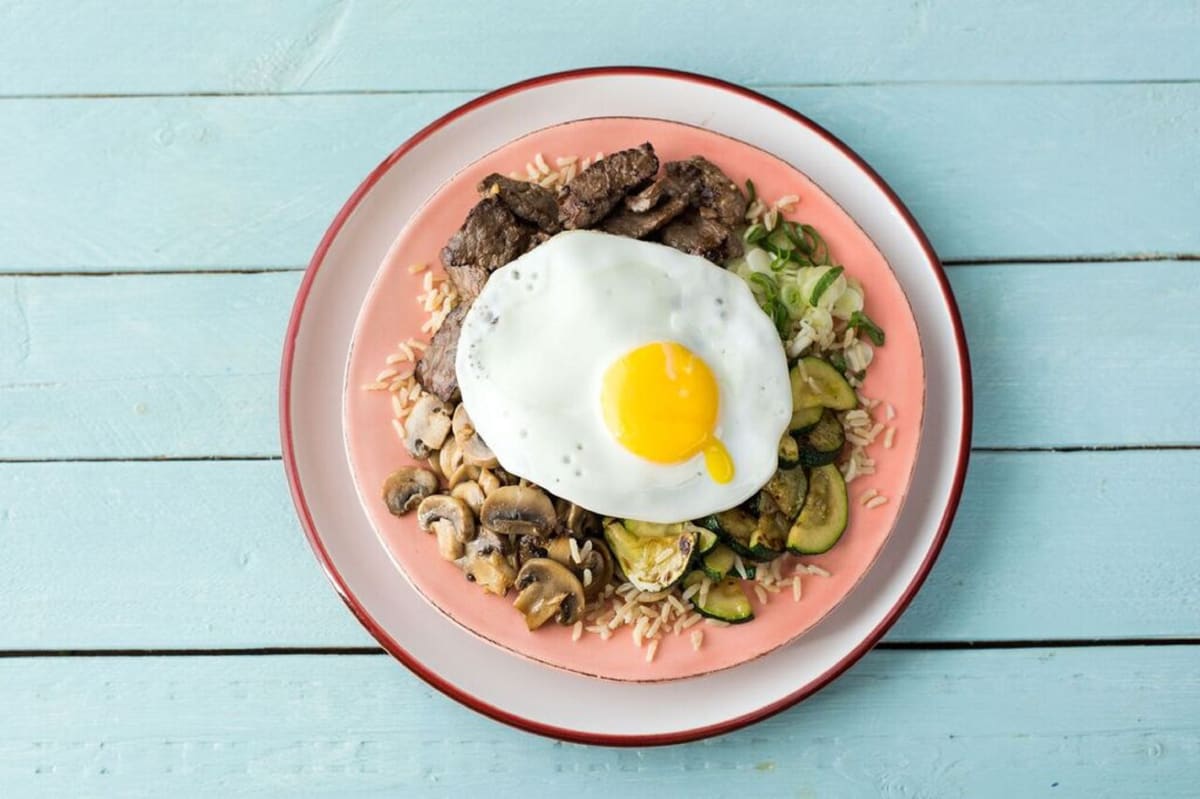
[630, 378]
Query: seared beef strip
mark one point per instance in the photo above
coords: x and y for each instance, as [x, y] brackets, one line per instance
[435, 371]
[490, 237]
[529, 201]
[596, 190]
[696, 234]
[719, 197]
[468, 280]
[634, 225]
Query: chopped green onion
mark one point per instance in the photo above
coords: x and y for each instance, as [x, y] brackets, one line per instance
[791, 296]
[783, 320]
[778, 262]
[754, 234]
[751, 192]
[766, 284]
[861, 321]
[823, 284]
[814, 246]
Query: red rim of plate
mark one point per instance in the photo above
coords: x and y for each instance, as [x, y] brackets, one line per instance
[392, 646]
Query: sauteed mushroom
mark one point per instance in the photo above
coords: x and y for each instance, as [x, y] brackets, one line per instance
[518, 510]
[427, 426]
[451, 520]
[469, 492]
[406, 487]
[548, 590]
[486, 565]
[594, 570]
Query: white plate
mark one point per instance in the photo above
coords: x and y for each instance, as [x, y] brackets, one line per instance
[496, 683]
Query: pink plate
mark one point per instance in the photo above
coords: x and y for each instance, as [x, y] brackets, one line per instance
[390, 314]
[520, 691]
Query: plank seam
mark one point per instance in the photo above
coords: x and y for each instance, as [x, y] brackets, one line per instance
[284, 651]
[866, 84]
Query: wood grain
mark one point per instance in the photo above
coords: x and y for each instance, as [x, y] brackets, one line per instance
[1039, 722]
[322, 46]
[209, 555]
[992, 172]
[185, 365]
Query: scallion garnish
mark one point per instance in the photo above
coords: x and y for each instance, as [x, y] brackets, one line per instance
[754, 234]
[861, 321]
[823, 284]
[751, 192]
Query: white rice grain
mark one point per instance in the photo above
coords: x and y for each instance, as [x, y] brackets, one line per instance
[761, 593]
[399, 428]
[697, 640]
[889, 411]
[577, 632]
[651, 651]
[876, 502]
[817, 570]
[889, 438]
[796, 589]
[575, 558]
[867, 496]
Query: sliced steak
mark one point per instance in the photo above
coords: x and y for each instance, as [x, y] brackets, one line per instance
[685, 183]
[490, 237]
[528, 201]
[719, 197]
[596, 190]
[435, 371]
[697, 234]
[639, 225]
[468, 280]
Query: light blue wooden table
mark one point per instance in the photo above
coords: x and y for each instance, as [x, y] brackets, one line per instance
[165, 172]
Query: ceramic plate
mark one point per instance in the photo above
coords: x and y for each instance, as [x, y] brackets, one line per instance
[391, 313]
[516, 690]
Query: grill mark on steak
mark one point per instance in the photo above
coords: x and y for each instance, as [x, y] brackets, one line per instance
[528, 201]
[596, 190]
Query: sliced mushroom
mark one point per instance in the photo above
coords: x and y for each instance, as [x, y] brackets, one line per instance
[577, 522]
[462, 474]
[469, 492]
[451, 520]
[518, 510]
[461, 424]
[506, 478]
[594, 569]
[434, 465]
[427, 426]
[406, 487]
[477, 453]
[548, 590]
[488, 481]
[449, 458]
[487, 566]
[532, 546]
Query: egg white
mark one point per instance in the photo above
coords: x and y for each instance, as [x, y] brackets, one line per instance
[536, 343]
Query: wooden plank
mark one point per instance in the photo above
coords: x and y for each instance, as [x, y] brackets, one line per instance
[313, 45]
[185, 365]
[1001, 171]
[209, 554]
[1041, 722]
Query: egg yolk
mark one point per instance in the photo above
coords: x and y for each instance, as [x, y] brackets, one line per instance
[660, 401]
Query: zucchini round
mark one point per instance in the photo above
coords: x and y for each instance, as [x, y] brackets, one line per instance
[725, 600]
[788, 487]
[641, 558]
[805, 419]
[740, 530]
[789, 452]
[823, 443]
[823, 518]
[718, 563]
[824, 386]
